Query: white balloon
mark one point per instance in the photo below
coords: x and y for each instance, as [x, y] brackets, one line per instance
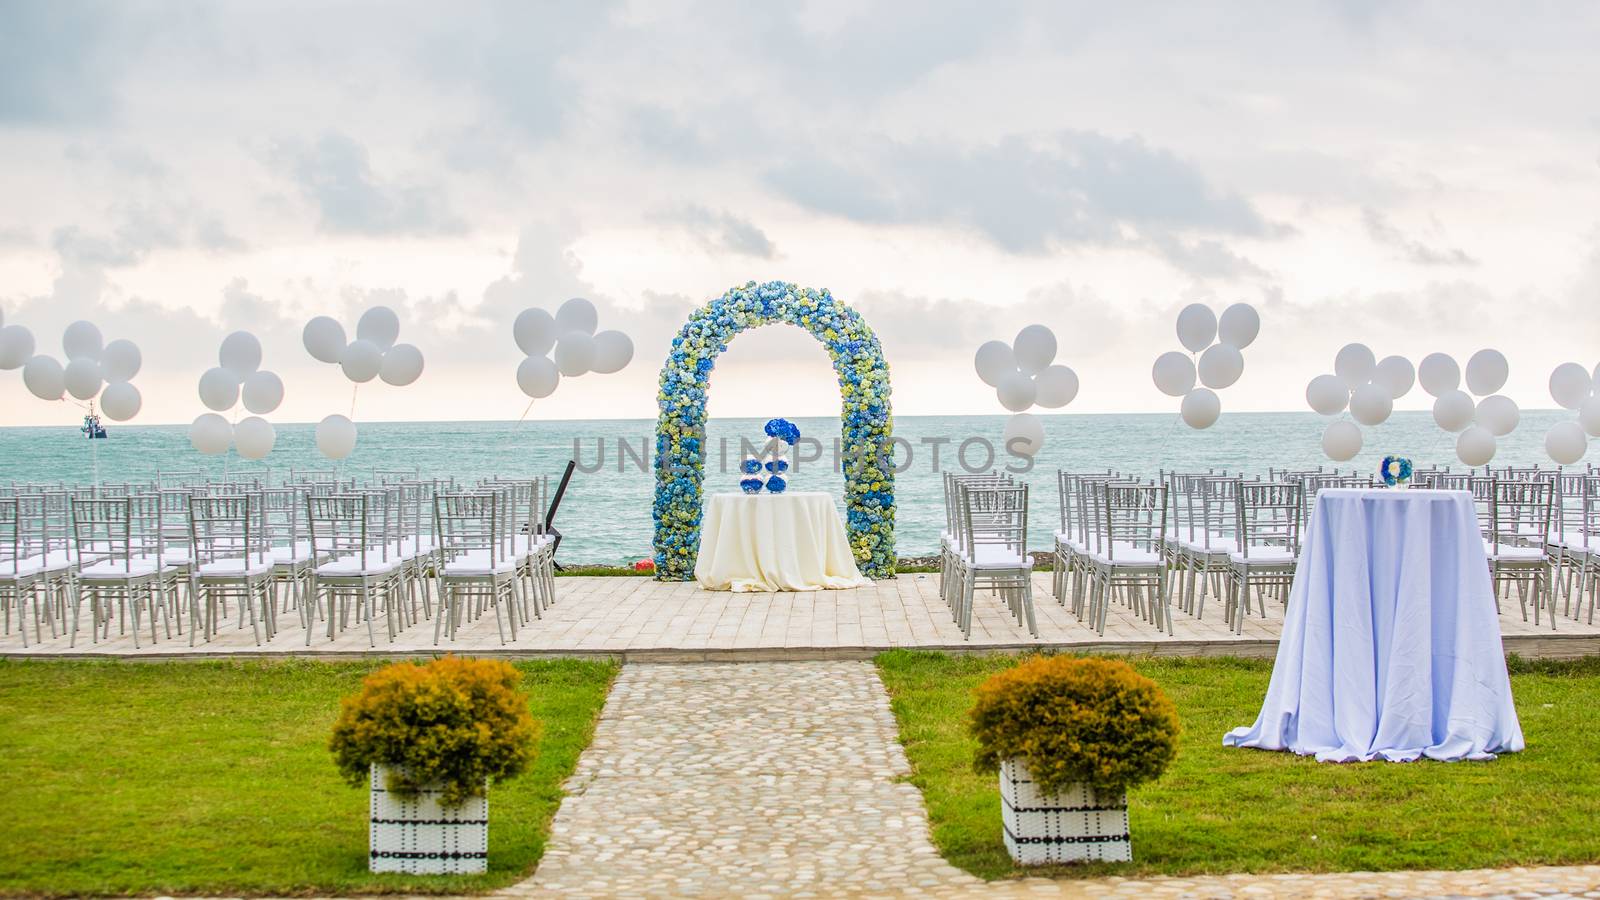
[361, 360]
[120, 401]
[336, 437]
[1055, 387]
[324, 339]
[1355, 364]
[538, 377]
[1570, 385]
[262, 392]
[1328, 395]
[613, 350]
[1034, 348]
[1023, 435]
[82, 340]
[1453, 410]
[1396, 375]
[1220, 366]
[1499, 414]
[577, 314]
[44, 377]
[210, 434]
[219, 390]
[16, 346]
[120, 360]
[1174, 374]
[1439, 374]
[1566, 443]
[1017, 391]
[1476, 446]
[1371, 404]
[82, 378]
[240, 354]
[1197, 327]
[1589, 415]
[254, 437]
[1597, 375]
[994, 361]
[1486, 372]
[534, 331]
[1341, 441]
[1200, 408]
[1239, 325]
[380, 325]
[574, 352]
[402, 365]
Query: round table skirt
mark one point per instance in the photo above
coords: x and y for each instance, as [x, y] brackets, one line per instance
[774, 542]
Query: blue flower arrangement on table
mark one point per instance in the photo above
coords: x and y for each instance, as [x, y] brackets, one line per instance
[1395, 471]
[867, 427]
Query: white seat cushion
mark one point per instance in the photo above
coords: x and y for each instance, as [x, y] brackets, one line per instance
[1508, 553]
[351, 566]
[300, 551]
[477, 563]
[118, 569]
[1263, 556]
[1123, 554]
[260, 564]
[177, 556]
[1217, 544]
[22, 568]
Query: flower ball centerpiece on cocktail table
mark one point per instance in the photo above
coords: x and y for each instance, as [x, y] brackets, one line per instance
[766, 468]
[1395, 471]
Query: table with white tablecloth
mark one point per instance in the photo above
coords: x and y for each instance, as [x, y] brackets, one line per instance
[774, 542]
[1391, 643]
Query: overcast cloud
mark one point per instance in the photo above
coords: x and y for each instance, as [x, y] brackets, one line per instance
[1421, 176]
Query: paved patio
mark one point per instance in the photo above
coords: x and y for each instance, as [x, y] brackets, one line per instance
[643, 620]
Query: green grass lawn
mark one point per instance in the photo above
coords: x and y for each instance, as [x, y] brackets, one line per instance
[1228, 810]
[214, 777]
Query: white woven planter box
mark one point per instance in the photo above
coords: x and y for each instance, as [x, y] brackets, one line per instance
[1073, 826]
[420, 837]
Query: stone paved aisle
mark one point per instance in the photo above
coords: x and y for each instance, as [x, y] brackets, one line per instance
[743, 780]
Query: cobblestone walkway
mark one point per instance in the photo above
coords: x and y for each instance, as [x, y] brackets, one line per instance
[751, 780]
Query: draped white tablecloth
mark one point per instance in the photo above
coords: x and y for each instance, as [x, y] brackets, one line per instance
[774, 542]
[1391, 644]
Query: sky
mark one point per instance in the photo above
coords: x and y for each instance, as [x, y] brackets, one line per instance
[1417, 176]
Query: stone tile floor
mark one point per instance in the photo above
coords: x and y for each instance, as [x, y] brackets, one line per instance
[640, 619]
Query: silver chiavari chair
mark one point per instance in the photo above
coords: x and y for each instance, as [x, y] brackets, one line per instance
[1268, 551]
[232, 558]
[120, 564]
[358, 561]
[479, 563]
[1130, 522]
[289, 544]
[994, 551]
[1510, 511]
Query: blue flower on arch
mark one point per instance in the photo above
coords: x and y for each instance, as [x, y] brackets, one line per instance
[866, 422]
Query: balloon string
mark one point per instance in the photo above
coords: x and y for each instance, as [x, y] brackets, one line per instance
[353, 390]
[525, 410]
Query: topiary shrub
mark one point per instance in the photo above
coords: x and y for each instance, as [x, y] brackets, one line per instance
[453, 723]
[1075, 719]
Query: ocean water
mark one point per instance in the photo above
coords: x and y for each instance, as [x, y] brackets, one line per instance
[605, 516]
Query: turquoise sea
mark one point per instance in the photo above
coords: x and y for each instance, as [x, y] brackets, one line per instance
[606, 514]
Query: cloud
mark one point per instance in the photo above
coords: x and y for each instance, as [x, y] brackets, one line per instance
[1410, 250]
[720, 231]
[335, 174]
[1026, 195]
[52, 69]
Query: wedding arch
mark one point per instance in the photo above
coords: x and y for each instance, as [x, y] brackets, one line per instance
[865, 422]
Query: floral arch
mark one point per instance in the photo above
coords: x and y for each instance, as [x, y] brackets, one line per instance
[866, 424]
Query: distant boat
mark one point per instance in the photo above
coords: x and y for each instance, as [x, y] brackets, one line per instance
[92, 428]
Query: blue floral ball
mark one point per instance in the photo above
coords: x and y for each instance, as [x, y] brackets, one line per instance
[777, 465]
[751, 485]
[751, 466]
[776, 484]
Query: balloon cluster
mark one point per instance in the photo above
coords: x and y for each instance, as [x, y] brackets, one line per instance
[94, 369]
[578, 348]
[373, 354]
[1220, 363]
[1023, 373]
[1366, 386]
[1578, 389]
[1478, 422]
[237, 376]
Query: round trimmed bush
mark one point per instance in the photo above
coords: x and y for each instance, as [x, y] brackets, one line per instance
[453, 723]
[1076, 719]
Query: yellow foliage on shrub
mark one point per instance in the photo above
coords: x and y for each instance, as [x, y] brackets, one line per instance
[1076, 719]
[453, 722]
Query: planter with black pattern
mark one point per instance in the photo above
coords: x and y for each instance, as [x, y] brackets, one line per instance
[421, 837]
[1077, 824]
